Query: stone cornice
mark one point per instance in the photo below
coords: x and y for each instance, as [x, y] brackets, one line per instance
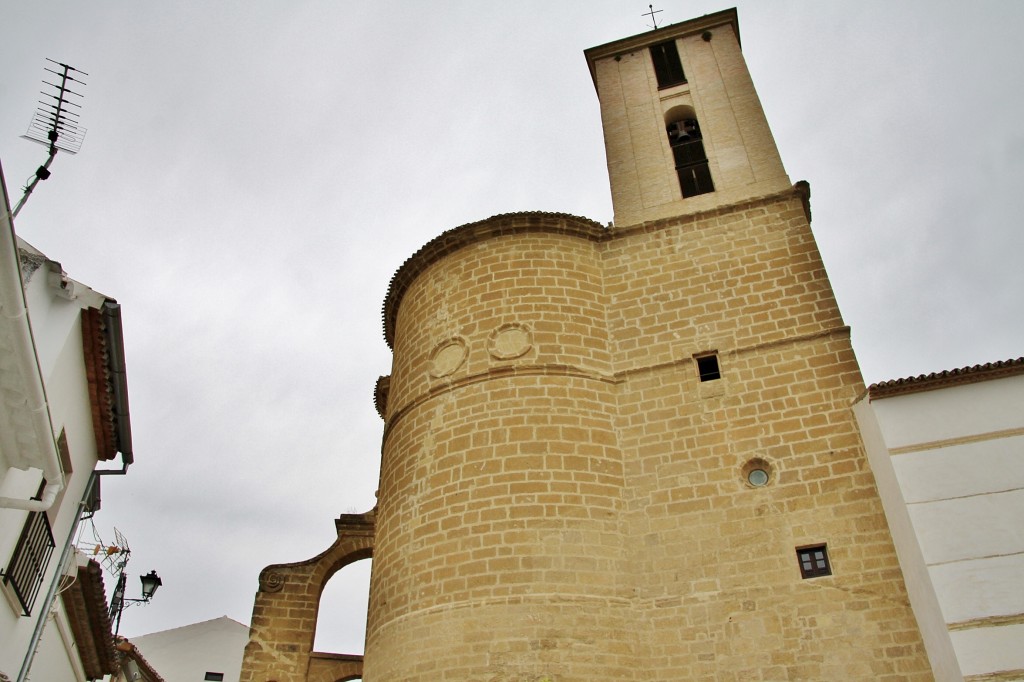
[662, 33]
[457, 238]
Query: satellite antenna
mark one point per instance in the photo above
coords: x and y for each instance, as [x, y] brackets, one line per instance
[55, 123]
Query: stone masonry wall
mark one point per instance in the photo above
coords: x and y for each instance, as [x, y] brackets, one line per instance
[562, 499]
[719, 93]
[714, 565]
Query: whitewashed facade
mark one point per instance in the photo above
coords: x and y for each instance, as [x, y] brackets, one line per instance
[947, 451]
[210, 650]
[63, 410]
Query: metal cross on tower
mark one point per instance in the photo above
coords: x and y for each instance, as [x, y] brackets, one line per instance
[651, 14]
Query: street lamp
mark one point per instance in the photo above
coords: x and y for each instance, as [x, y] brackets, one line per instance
[118, 602]
[150, 582]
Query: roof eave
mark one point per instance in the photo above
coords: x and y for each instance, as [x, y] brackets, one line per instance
[945, 379]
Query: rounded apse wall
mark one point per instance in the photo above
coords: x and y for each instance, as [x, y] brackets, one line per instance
[498, 547]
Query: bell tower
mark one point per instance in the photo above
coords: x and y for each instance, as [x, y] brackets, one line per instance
[683, 128]
[628, 452]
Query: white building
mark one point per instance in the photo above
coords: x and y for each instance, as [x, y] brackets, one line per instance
[210, 650]
[63, 410]
[947, 451]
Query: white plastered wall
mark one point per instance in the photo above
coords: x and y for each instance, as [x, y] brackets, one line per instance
[956, 455]
[56, 326]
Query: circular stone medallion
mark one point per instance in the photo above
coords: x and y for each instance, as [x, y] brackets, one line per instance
[447, 357]
[510, 341]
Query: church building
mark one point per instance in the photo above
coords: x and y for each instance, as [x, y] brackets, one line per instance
[622, 452]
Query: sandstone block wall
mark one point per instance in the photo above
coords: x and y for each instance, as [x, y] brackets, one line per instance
[719, 93]
[561, 498]
[286, 608]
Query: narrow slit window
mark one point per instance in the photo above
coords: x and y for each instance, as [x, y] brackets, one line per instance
[667, 67]
[218, 677]
[813, 561]
[707, 368]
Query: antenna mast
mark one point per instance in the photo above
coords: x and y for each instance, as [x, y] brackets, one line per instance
[54, 124]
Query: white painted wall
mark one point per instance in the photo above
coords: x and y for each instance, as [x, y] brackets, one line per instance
[950, 461]
[56, 327]
[189, 652]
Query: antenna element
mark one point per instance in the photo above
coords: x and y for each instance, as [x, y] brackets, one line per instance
[55, 124]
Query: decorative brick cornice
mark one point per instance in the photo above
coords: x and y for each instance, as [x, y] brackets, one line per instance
[86, 605]
[101, 394]
[951, 377]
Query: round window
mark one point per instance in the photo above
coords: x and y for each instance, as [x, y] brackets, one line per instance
[757, 472]
[757, 477]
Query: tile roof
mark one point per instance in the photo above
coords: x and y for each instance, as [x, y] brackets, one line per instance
[950, 377]
[85, 602]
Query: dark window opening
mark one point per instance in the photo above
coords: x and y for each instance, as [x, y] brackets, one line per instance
[690, 158]
[667, 67]
[31, 555]
[813, 561]
[707, 368]
[65, 454]
[217, 677]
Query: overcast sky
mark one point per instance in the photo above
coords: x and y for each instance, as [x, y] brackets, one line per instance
[255, 172]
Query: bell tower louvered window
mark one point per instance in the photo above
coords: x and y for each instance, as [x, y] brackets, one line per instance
[691, 160]
[667, 67]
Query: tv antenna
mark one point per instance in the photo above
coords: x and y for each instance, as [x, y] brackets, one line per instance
[651, 14]
[55, 123]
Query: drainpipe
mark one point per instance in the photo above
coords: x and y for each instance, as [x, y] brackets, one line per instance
[116, 367]
[69, 545]
[14, 307]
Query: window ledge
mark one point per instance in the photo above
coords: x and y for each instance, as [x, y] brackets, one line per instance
[12, 599]
[673, 90]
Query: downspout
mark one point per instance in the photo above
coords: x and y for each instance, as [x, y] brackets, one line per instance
[69, 545]
[14, 307]
[116, 368]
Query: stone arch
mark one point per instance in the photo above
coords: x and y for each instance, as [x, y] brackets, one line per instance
[344, 607]
[285, 611]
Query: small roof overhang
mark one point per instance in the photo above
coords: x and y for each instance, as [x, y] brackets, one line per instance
[950, 377]
[85, 603]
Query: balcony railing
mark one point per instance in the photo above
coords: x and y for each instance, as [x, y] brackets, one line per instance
[25, 572]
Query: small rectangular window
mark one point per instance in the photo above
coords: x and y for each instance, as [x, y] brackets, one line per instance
[813, 561]
[667, 67]
[65, 454]
[707, 368]
[217, 677]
